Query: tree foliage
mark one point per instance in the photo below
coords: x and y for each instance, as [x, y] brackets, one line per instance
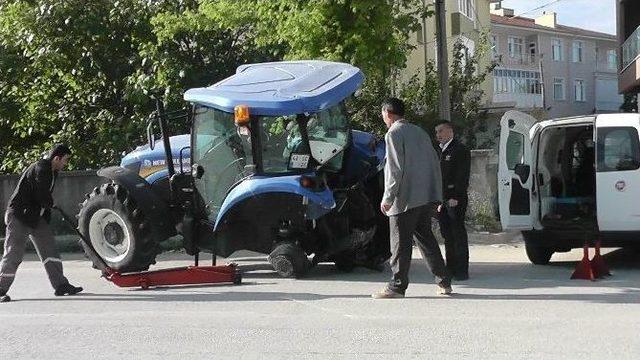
[466, 77]
[88, 72]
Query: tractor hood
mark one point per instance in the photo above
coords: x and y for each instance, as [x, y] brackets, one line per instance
[151, 164]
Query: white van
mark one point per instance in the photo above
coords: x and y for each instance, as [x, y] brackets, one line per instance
[562, 181]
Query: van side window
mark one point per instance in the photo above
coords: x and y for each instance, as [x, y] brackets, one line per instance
[618, 149]
[515, 149]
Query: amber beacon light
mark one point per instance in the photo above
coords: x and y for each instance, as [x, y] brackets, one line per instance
[241, 114]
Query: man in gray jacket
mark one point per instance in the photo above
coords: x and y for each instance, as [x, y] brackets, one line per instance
[412, 187]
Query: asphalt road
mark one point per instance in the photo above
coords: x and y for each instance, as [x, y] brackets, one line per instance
[510, 309]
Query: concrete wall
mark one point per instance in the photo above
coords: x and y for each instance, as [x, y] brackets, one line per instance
[483, 184]
[69, 192]
[72, 186]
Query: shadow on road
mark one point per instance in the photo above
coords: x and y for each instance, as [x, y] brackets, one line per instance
[225, 295]
[498, 281]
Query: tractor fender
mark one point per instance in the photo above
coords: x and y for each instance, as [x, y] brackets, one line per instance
[148, 201]
[318, 203]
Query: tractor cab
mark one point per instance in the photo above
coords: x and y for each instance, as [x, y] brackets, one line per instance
[231, 147]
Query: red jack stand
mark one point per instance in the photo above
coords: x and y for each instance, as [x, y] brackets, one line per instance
[600, 269]
[584, 270]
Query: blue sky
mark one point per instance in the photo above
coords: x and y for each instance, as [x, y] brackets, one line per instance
[596, 15]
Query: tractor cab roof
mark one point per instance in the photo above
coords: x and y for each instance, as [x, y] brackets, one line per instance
[281, 88]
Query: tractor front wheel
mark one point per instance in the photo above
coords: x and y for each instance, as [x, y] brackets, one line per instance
[289, 259]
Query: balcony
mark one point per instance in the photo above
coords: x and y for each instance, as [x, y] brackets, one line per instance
[629, 78]
[509, 60]
[630, 48]
[519, 101]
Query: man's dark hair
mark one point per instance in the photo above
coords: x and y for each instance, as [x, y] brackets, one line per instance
[59, 150]
[394, 106]
[445, 123]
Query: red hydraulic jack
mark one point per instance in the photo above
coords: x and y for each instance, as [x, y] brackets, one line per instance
[186, 275]
[591, 269]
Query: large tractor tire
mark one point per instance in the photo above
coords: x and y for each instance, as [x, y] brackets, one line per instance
[117, 229]
[289, 260]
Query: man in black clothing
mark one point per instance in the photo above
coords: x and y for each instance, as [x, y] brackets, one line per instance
[455, 163]
[27, 216]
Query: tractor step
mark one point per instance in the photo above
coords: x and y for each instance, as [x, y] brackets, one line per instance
[188, 275]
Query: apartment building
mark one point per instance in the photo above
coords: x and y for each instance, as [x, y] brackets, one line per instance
[545, 65]
[466, 21]
[629, 40]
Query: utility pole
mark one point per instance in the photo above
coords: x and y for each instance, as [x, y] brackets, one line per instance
[443, 60]
[424, 37]
[542, 88]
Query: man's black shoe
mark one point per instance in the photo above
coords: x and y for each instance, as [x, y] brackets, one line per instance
[5, 298]
[67, 289]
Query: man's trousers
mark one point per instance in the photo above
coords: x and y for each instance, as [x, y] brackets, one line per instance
[14, 246]
[411, 226]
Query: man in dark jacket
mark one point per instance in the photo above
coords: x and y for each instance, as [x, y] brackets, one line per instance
[455, 163]
[27, 216]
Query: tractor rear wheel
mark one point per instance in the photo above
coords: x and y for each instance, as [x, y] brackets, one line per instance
[117, 229]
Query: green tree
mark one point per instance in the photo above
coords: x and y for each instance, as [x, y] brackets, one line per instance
[467, 75]
[422, 96]
[372, 35]
[87, 72]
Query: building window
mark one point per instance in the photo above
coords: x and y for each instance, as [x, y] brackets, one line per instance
[577, 51]
[507, 81]
[558, 89]
[515, 47]
[556, 47]
[420, 35]
[493, 39]
[612, 59]
[467, 8]
[578, 87]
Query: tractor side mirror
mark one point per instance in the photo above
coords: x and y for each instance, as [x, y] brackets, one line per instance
[197, 171]
[150, 138]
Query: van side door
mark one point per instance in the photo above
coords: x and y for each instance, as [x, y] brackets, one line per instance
[515, 171]
[618, 172]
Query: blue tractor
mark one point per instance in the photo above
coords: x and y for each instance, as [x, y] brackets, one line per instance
[271, 165]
